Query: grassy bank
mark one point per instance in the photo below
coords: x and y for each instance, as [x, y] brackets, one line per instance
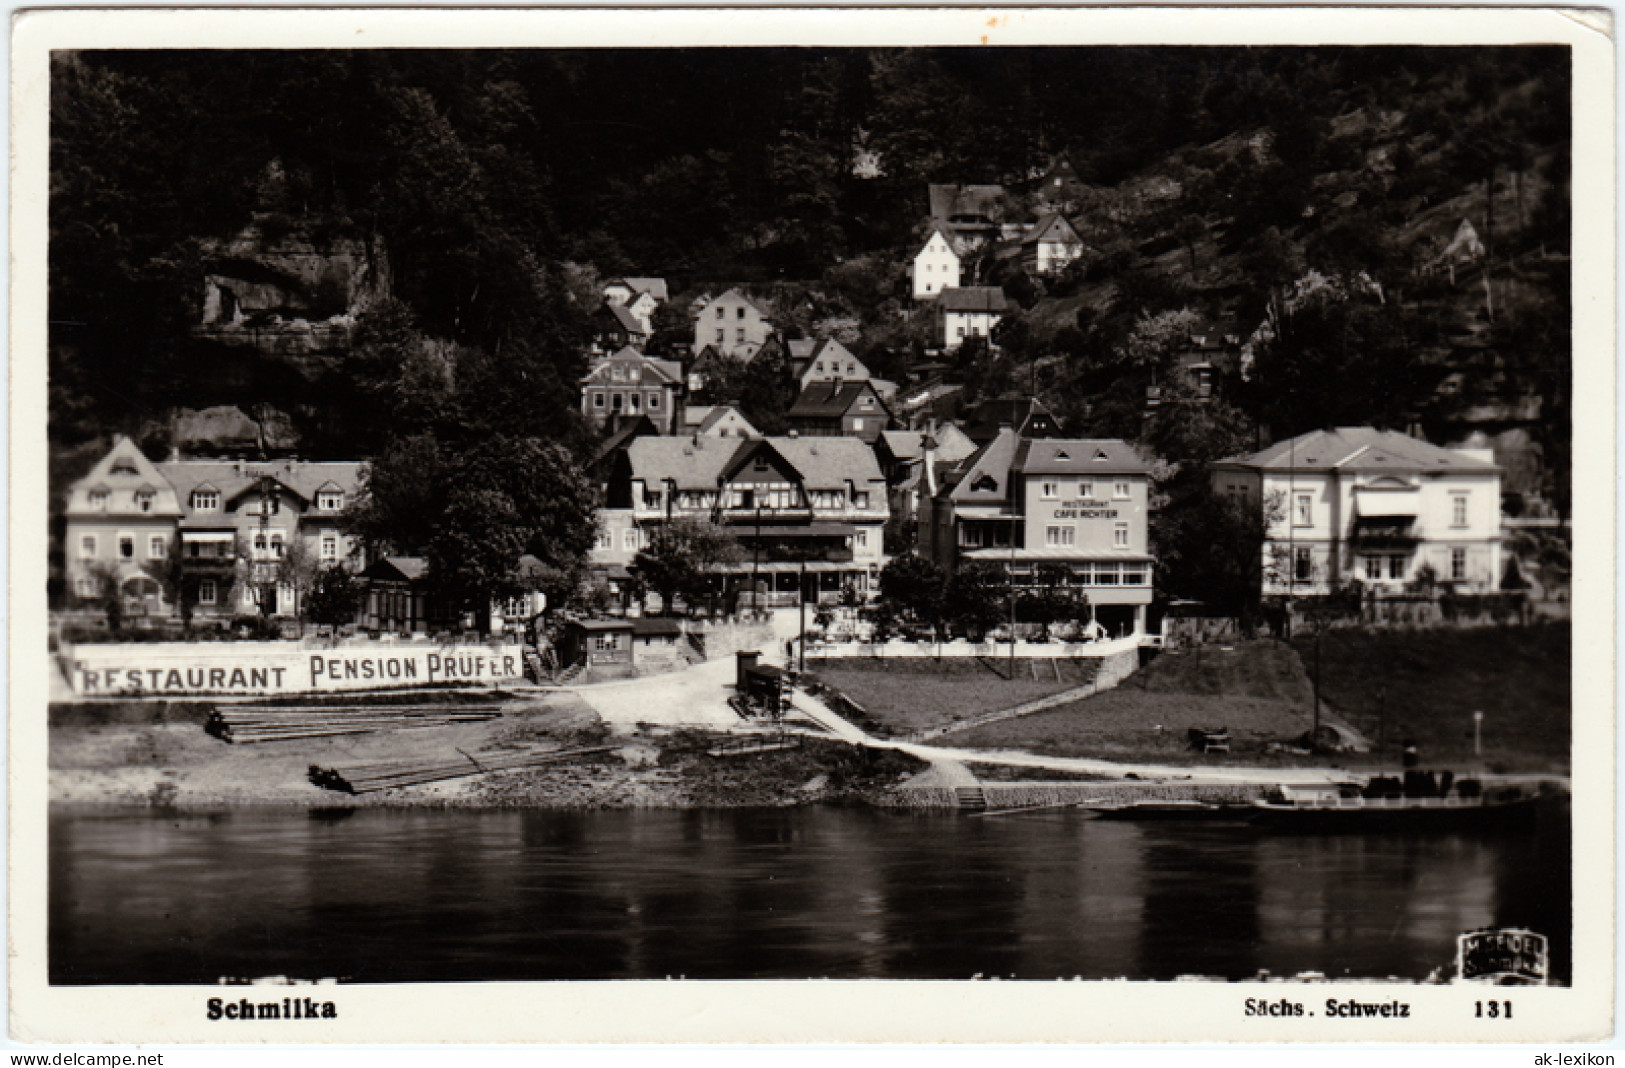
[911, 695]
[1426, 685]
[1257, 690]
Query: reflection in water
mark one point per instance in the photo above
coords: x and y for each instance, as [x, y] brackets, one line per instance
[417, 896]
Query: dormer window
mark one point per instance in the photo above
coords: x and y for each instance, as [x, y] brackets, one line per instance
[98, 498]
[330, 500]
[205, 500]
[143, 500]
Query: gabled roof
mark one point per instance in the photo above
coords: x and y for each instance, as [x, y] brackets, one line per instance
[909, 445]
[1051, 227]
[655, 287]
[938, 230]
[973, 299]
[121, 474]
[623, 318]
[1358, 448]
[827, 399]
[720, 412]
[1078, 456]
[1029, 416]
[803, 347]
[745, 298]
[698, 463]
[234, 479]
[984, 477]
[651, 370]
[948, 201]
[397, 569]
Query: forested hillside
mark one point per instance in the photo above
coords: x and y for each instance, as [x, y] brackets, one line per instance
[1313, 189]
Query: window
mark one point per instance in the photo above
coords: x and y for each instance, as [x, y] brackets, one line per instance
[143, 500]
[721, 312]
[606, 540]
[598, 401]
[857, 424]
[1396, 567]
[634, 403]
[961, 331]
[85, 587]
[126, 546]
[205, 500]
[330, 546]
[1086, 490]
[1106, 575]
[1303, 565]
[87, 547]
[157, 547]
[1373, 567]
[615, 402]
[330, 500]
[1133, 575]
[1120, 535]
[970, 536]
[1050, 490]
[739, 335]
[1458, 509]
[741, 314]
[207, 592]
[1458, 564]
[860, 499]
[259, 545]
[863, 539]
[629, 540]
[98, 498]
[852, 369]
[721, 333]
[1303, 512]
[605, 642]
[276, 544]
[1060, 537]
[1120, 491]
[651, 498]
[654, 402]
[819, 367]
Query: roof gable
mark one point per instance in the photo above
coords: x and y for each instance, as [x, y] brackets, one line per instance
[987, 473]
[123, 474]
[1360, 449]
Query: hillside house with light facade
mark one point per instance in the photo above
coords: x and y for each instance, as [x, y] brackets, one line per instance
[1370, 505]
[824, 360]
[222, 529]
[628, 385]
[732, 324]
[812, 506]
[639, 296]
[1050, 245]
[1050, 510]
[971, 311]
[936, 266]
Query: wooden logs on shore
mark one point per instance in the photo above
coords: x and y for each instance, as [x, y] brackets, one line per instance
[366, 778]
[269, 723]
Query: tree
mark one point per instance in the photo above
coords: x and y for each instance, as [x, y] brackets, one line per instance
[682, 555]
[977, 597]
[297, 571]
[917, 587]
[335, 597]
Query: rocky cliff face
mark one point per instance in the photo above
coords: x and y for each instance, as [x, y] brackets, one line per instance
[290, 288]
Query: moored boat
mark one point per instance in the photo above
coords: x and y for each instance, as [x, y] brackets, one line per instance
[1460, 804]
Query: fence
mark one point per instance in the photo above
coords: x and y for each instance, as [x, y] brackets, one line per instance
[900, 650]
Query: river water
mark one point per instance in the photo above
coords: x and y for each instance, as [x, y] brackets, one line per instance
[435, 895]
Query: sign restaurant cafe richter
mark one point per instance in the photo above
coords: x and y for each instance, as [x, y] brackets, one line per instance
[221, 668]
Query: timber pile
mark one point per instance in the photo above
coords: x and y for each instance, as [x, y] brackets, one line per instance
[271, 723]
[366, 778]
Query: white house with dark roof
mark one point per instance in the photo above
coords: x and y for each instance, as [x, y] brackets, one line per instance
[936, 266]
[970, 311]
[639, 296]
[1050, 245]
[813, 506]
[1074, 511]
[717, 421]
[733, 324]
[1375, 506]
[230, 525]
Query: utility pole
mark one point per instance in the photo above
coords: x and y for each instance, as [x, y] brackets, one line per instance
[1011, 574]
[801, 602]
[1382, 722]
[1314, 739]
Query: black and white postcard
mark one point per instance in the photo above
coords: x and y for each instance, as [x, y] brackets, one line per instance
[870, 525]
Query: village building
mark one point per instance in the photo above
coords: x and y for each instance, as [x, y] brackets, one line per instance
[628, 385]
[614, 327]
[824, 360]
[621, 648]
[1050, 245]
[1059, 188]
[970, 214]
[218, 534]
[717, 421]
[1373, 506]
[1026, 414]
[936, 266]
[1049, 511]
[640, 296]
[969, 311]
[839, 409]
[733, 324]
[807, 512]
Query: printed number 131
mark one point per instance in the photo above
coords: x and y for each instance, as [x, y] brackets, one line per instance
[1494, 1009]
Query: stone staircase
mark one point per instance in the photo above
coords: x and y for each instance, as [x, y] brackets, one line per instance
[971, 797]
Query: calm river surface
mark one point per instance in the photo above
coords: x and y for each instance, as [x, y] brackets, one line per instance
[420, 895]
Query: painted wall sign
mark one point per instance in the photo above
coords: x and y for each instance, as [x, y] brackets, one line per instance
[186, 669]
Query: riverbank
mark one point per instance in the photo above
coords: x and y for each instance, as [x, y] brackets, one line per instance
[157, 754]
